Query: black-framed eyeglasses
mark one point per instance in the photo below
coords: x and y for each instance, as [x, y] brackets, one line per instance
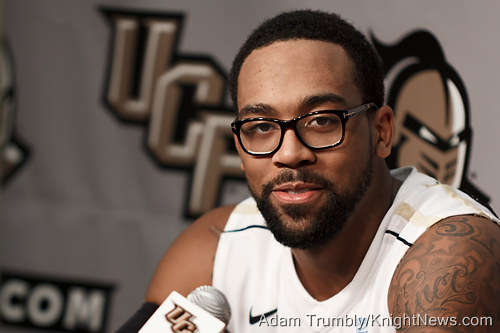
[316, 130]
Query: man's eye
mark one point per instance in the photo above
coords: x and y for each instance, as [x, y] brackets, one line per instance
[262, 127]
[320, 121]
[323, 122]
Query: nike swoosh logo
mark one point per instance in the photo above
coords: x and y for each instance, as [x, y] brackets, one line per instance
[256, 319]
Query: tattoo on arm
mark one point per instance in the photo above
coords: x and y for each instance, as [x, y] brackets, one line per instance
[452, 271]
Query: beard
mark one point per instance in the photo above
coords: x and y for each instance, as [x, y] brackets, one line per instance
[310, 228]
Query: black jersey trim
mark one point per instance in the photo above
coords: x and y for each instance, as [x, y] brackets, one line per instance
[402, 240]
[246, 228]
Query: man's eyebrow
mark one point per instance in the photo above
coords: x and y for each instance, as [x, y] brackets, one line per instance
[260, 109]
[322, 98]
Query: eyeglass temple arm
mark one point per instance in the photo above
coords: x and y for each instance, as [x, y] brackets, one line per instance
[359, 109]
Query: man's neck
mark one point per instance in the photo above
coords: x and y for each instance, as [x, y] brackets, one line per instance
[326, 270]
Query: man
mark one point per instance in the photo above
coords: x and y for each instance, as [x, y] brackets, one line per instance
[337, 242]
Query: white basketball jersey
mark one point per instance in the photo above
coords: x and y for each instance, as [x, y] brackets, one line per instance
[257, 274]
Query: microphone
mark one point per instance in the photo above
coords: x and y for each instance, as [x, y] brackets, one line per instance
[206, 309]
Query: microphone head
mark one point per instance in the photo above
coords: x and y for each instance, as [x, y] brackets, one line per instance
[213, 301]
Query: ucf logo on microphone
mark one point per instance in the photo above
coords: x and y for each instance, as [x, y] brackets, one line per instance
[180, 320]
[178, 98]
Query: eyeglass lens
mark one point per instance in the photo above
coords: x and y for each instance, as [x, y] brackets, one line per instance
[317, 131]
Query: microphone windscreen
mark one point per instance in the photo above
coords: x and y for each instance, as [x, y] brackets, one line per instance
[213, 301]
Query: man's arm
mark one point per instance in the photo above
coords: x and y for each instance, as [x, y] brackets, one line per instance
[188, 263]
[452, 271]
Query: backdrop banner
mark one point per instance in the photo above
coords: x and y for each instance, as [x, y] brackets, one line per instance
[114, 130]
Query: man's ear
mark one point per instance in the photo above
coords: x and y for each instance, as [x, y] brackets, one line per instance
[238, 148]
[382, 123]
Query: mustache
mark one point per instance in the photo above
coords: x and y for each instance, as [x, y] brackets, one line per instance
[302, 175]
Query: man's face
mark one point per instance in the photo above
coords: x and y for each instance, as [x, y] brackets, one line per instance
[305, 195]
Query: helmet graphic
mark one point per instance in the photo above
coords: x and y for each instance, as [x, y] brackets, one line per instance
[431, 109]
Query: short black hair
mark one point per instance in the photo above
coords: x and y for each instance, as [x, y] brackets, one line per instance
[321, 26]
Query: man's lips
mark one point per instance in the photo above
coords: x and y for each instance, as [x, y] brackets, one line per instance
[296, 193]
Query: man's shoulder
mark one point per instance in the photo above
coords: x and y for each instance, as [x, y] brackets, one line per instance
[214, 219]
[451, 271]
[423, 201]
[188, 263]
[245, 215]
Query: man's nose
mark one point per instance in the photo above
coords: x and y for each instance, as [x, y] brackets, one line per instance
[293, 153]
